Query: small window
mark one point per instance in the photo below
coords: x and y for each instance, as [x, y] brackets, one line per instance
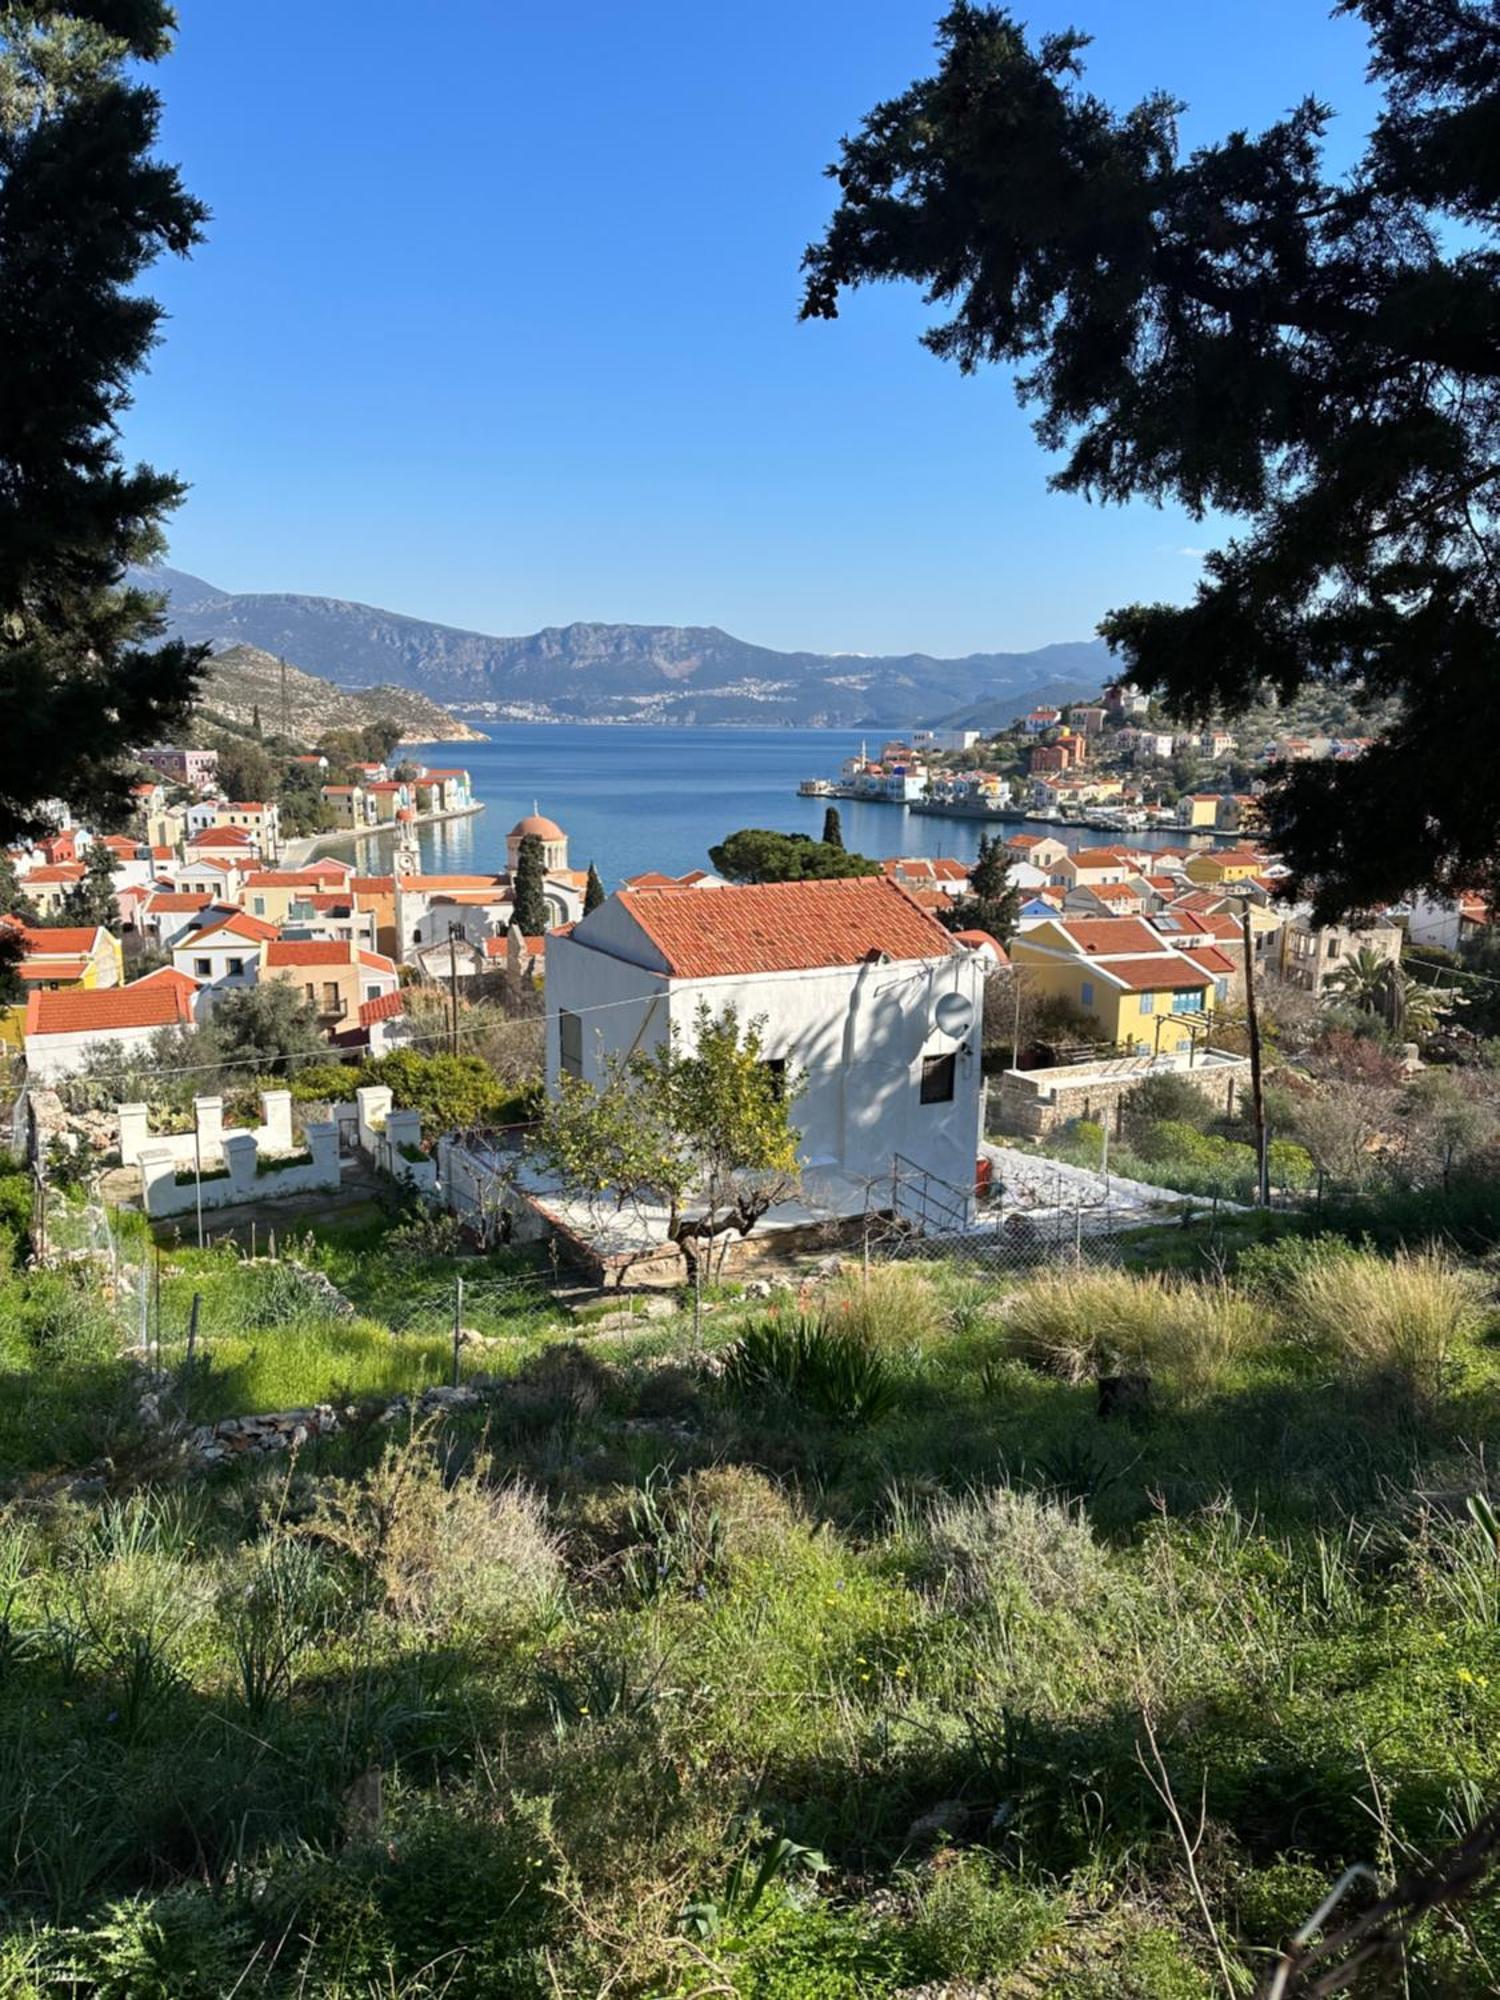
[330, 996]
[1221, 990]
[1333, 947]
[259, 906]
[775, 1069]
[1086, 993]
[310, 994]
[236, 968]
[570, 1043]
[372, 992]
[1148, 1003]
[203, 968]
[939, 1078]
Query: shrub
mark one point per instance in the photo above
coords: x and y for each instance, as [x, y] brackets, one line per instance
[1289, 1165]
[176, 1946]
[1271, 1272]
[1394, 1320]
[984, 1544]
[277, 1294]
[444, 1554]
[1162, 1099]
[821, 1368]
[974, 1920]
[431, 1232]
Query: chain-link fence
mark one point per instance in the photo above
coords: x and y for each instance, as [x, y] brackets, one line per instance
[993, 1230]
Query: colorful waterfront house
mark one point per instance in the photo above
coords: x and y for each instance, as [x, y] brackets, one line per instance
[1146, 997]
[1091, 867]
[49, 886]
[386, 797]
[224, 843]
[444, 791]
[348, 804]
[260, 818]
[84, 956]
[1228, 865]
[1200, 809]
[278, 894]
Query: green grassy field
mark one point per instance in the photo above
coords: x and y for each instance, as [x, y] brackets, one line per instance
[837, 1659]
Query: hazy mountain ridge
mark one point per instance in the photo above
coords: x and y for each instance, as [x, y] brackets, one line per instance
[620, 673]
[243, 681]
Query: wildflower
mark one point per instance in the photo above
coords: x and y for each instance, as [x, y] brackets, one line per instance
[1465, 1676]
[902, 1671]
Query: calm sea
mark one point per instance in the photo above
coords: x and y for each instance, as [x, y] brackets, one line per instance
[632, 799]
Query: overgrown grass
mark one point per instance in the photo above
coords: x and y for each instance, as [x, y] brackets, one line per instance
[652, 1679]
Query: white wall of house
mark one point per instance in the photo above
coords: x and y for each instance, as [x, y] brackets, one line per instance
[860, 1036]
[1435, 922]
[219, 968]
[49, 1056]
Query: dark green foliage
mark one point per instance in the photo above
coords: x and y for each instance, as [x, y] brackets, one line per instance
[756, 854]
[263, 1030]
[815, 1367]
[85, 210]
[593, 890]
[530, 911]
[993, 902]
[833, 829]
[92, 900]
[372, 743]
[1240, 330]
[452, 1093]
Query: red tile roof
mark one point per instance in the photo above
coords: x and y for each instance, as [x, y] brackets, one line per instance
[1095, 935]
[784, 927]
[386, 1008]
[67, 941]
[373, 885]
[982, 941]
[377, 961]
[309, 951]
[55, 967]
[293, 878]
[220, 836]
[241, 925]
[1098, 857]
[1158, 972]
[56, 871]
[150, 1003]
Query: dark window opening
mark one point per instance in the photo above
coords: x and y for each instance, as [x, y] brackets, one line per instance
[775, 1069]
[939, 1079]
[570, 1043]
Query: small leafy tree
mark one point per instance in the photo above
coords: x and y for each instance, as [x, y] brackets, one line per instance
[530, 915]
[702, 1130]
[453, 1093]
[593, 890]
[833, 829]
[264, 1030]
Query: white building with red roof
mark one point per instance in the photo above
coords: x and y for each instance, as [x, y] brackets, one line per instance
[64, 1028]
[862, 994]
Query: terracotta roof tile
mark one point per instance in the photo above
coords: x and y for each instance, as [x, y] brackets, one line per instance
[1159, 972]
[38, 969]
[309, 951]
[147, 1004]
[66, 941]
[1096, 935]
[784, 927]
[386, 1008]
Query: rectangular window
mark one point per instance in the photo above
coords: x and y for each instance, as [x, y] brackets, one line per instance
[203, 968]
[1188, 1003]
[1086, 993]
[1148, 1003]
[310, 993]
[1221, 990]
[570, 1043]
[939, 1079]
[1333, 947]
[236, 968]
[372, 992]
[259, 906]
[330, 996]
[775, 1069]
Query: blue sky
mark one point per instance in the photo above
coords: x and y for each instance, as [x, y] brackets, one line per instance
[496, 323]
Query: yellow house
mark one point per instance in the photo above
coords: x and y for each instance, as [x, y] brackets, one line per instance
[283, 896]
[1230, 864]
[76, 958]
[1147, 997]
[1200, 809]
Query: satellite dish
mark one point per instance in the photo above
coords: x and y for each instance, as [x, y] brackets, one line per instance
[955, 1015]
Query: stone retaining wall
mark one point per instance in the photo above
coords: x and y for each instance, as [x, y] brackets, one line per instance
[1037, 1101]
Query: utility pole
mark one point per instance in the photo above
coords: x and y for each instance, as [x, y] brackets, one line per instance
[286, 722]
[453, 985]
[1252, 1020]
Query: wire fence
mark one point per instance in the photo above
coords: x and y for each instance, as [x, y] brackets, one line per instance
[992, 1231]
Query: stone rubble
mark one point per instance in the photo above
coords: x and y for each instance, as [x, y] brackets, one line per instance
[289, 1430]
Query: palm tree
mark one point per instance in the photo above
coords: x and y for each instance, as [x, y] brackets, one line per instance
[1412, 1010]
[1362, 981]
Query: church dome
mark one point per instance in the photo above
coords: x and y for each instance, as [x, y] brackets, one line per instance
[538, 824]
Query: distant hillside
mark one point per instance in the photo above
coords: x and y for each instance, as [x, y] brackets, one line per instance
[620, 673]
[244, 679]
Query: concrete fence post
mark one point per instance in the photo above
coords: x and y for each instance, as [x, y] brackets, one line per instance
[323, 1144]
[241, 1155]
[135, 1132]
[208, 1120]
[276, 1121]
[158, 1165]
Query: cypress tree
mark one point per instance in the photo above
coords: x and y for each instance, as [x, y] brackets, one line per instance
[833, 829]
[593, 891]
[85, 209]
[530, 904]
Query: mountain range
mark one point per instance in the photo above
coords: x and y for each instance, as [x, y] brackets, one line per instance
[621, 673]
[243, 682]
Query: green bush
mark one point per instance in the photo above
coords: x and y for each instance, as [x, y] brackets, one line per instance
[1164, 1099]
[817, 1367]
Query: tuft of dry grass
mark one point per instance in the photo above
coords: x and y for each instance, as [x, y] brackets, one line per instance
[1389, 1320]
[1079, 1324]
[892, 1309]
